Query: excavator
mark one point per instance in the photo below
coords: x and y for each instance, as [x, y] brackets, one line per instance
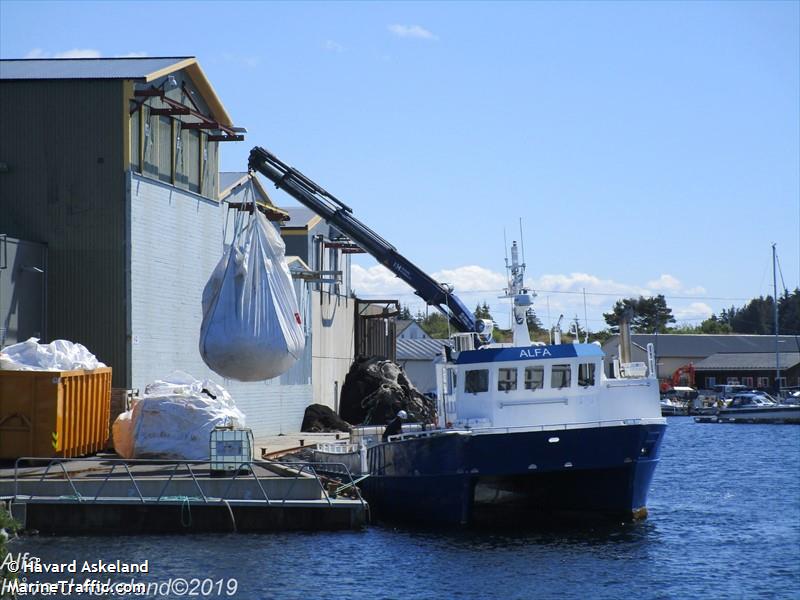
[683, 376]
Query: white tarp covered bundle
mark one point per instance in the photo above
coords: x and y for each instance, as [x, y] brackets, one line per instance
[60, 355]
[174, 419]
[251, 328]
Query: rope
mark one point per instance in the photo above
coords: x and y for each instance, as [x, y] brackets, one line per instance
[230, 511]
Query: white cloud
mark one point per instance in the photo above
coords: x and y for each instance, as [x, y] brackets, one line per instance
[331, 46]
[472, 278]
[80, 53]
[665, 282]
[561, 293]
[376, 280]
[412, 31]
[692, 312]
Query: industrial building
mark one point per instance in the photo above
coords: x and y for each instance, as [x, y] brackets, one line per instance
[114, 215]
[719, 359]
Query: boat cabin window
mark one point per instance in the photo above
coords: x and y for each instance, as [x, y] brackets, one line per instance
[560, 376]
[534, 378]
[476, 381]
[506, 380]
[586, 374]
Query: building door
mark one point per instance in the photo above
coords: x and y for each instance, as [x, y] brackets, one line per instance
[23, 279]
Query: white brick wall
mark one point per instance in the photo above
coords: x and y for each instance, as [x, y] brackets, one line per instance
[176, 240]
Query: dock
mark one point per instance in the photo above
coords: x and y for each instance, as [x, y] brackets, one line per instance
[109, 495]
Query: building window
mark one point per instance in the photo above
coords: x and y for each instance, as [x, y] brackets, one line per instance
[506, 380]
[165, 144]
[711, 382]
[476, 381]
[182, 157]
[150, 166]
[210, 167]
[136, 124]
[733, 381]
[534, 378]
[763, 382]
[748, 381]
[586, 374]
[560, 376]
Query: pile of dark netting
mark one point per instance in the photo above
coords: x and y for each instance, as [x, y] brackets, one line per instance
[375, 390]
[318, 418]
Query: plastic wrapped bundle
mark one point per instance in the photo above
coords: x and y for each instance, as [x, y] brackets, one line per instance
[251, 328]
[174, 419]
[60, 355]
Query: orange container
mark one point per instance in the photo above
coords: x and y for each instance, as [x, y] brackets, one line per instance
[54, 413]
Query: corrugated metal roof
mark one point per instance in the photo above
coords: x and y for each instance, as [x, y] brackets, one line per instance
[87, 68]
[747, 361]
[423, 349]
[705, 345]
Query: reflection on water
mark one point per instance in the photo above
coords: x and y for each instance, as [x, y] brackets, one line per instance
[724, 523]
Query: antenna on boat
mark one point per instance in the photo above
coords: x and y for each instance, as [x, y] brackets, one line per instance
[522, 245]
[585, 318]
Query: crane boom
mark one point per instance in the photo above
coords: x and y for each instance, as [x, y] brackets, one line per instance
[340, 215]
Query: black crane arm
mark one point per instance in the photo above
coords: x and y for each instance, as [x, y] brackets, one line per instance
[341, 216]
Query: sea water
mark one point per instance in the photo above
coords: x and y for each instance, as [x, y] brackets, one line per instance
[724, 523]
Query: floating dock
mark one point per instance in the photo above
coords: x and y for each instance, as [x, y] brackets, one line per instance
[747, 420]
[116, 496]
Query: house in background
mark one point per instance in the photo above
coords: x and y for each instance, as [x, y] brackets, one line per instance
[110, 168]
[717, 359]
[408, 329]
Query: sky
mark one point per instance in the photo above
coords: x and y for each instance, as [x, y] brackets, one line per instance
[646, 147]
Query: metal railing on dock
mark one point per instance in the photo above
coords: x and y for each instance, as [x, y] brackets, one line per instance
[102, 470]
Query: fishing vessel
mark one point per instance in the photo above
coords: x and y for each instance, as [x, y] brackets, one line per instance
[523, 428]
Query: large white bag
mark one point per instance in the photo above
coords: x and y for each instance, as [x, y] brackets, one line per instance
[60, 355]
[174, 419]
[251, 327]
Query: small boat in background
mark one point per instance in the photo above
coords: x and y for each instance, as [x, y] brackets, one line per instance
[755, 407]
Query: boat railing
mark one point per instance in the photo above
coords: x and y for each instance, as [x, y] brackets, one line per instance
[179, 471]
[526, 428]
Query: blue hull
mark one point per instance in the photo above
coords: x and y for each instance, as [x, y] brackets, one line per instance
[470, 479]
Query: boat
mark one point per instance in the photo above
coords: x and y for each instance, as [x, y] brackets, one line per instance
[670, 407]
[525, 431]
[758, 407]
[521, 425]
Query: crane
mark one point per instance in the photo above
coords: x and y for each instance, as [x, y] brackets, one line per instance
[336, 213]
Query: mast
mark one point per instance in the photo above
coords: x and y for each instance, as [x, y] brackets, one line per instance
[775, 323]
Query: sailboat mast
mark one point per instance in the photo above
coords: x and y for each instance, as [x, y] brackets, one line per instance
[775, 323]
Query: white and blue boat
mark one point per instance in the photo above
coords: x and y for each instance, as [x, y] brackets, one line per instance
[528, 426]
[524, 430]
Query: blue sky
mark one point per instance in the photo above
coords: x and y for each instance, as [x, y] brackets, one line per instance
[647, 147]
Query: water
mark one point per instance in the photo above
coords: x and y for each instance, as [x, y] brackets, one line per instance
[724, 523]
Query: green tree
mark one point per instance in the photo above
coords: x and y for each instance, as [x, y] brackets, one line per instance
[649, 314]
[405, 313]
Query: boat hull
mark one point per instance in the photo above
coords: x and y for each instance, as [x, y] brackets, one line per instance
[476, 478]
[776, 414]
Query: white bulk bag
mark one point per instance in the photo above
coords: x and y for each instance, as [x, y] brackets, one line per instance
[251, 327]
[174, 419]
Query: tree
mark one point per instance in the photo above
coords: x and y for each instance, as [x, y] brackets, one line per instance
[649, 314]
[405, 313]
